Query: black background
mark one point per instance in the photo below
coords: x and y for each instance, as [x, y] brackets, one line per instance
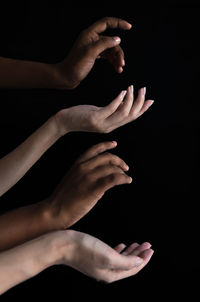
[161, 147]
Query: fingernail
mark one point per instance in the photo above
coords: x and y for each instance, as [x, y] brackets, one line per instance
[123, 93]
[127, 167]
[130, 179]
[123, 62]
[139, 262]
[151, 102]
[131, 88]
[114, 142]
[144, 91]
[117, 39]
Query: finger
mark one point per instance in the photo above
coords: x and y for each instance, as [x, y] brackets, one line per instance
[147, 254]
[112, 180]
[115, 56]
[130, 249]
[109, 22]
[121, 115]
[102, 44]
[128, 101]
[112, 107]
[106, 159]
[121, 274]
[121, 262]
[145, 107]
[120, 247]
[95, 150]
[104, 171]
[139, 102]
[144, 246]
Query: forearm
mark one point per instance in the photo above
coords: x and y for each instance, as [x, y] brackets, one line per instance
[26, 223]
[14, 165]
[27, 74]
[27, 260]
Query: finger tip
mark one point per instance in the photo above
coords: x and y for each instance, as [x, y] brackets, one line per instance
[114, 143]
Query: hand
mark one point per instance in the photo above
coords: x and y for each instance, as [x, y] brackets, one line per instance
[89, 46]
[122, 110]
[96, 259]
[89, 178]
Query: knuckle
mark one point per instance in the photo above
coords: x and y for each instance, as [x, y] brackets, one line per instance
[112, 178]
[107, 130]
[88, 178]
[81, 168]
[106, 262]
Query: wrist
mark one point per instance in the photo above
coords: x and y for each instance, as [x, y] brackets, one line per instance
[60, 119]
[52, 217]
[50, 249]
[61, 80]
[61, 248]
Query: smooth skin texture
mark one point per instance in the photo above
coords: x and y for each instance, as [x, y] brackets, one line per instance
[28, 222]
[78, 250]
[67, 74]
[122, 110]
[90, 177]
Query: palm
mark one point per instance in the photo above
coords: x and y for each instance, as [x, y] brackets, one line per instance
[98, 260]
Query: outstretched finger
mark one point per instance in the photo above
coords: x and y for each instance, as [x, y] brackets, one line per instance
[146, 106]
[120, 247]
[139, 102]
[109, 22]
[102, 44]
[112, 107]
[95, 150]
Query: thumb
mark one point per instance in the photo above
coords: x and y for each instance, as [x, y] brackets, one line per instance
[104, 43]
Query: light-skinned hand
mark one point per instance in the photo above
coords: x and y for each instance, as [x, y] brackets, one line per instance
[96, 259]
[122, 110]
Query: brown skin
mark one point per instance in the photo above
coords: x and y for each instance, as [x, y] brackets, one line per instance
[89, 178]
[67, 74]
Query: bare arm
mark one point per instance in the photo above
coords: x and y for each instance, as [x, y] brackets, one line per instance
[66, 205]
[81, 251]
[14, 165]
[89, 178]
[68, 73]
[26, 74]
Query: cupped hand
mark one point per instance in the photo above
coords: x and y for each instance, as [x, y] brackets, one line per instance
[96, 259]
[122, 110]
[95, 172]
[90, 46]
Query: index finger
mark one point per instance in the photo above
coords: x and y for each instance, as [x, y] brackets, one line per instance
[109, 22]
[95, 150]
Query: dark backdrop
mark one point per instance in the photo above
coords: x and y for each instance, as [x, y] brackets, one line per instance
[161, 147]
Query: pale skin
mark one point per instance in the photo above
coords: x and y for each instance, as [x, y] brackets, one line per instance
[67, 74]
[81, 251]
[59, 211]
[92, 175]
